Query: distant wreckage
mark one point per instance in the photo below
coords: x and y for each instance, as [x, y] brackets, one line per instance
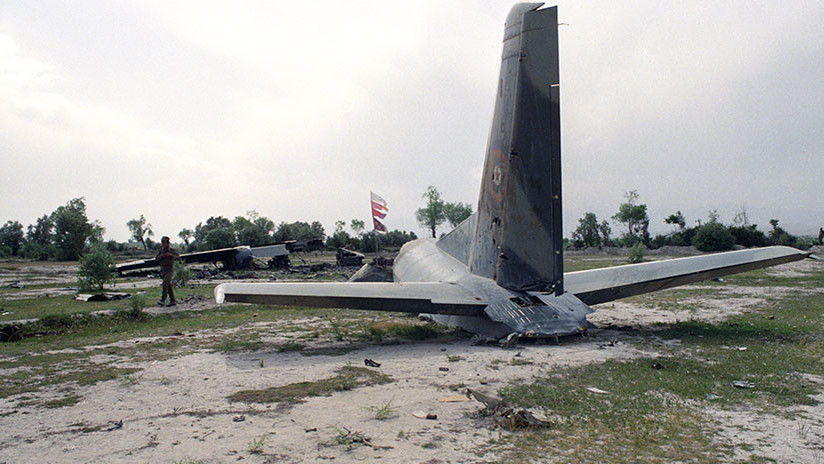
[501, 271]
[233, 258]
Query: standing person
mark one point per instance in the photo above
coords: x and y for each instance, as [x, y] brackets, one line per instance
[166, 259]
[821, 235]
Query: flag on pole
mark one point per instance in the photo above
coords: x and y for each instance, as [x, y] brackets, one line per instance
[379, 211]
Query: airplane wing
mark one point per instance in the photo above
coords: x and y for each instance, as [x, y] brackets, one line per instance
[612, 283]
[413, 297]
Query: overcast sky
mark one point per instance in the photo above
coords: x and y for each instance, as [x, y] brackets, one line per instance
[184, 110]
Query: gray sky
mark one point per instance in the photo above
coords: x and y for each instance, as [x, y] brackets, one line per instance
[183, 110]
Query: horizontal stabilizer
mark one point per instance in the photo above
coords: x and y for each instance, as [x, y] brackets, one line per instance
[425, 297]
[612, 283]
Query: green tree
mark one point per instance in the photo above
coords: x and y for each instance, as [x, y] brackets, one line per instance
[96, 268]
[298, 230]
[779, 236]
[713, 236]
[590, 232]
[431, 215]
[140, 229]
[254, 229]
[357, 226]
[222, 237]
[11, 237]
[676, 219]
[634, 217]
[456, 213]
[186, 235]
[340, 238]
[72, 229]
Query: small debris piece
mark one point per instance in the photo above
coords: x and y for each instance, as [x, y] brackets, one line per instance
[238, 418]
[518, 354]
[713, 396]
[507, 417]
[658, 366]
[453, 399]
[597, 391]
[3, 312]
[313, 429]
[361, 438]
[443, 369]
[510, 341]
[432, 416]
[17, 285]
[419, 414]
[742, 384]
[371, 363]
[481, 340]
[108, 296]
[115, 425]
[10, 333]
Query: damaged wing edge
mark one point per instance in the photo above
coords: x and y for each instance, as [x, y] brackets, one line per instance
[613, 283]
[425, 297]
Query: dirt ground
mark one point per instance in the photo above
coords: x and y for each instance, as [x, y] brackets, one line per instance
[177, 410]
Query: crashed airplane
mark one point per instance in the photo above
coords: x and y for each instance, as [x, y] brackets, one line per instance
[501, 271]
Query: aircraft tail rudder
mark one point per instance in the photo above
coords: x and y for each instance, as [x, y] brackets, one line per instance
[518, 234]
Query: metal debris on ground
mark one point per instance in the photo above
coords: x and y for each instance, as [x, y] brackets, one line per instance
[657, 366]
[478, 340]
[115, 425]
[10, 333]
[108, 296]
[742, 384]
[597, 391]
[713, 396]
[510, 341]
[350, 438]
[507, 417]
[313, 429]
[238, 418]
[424, 415]
[371, 363]
[443, 369]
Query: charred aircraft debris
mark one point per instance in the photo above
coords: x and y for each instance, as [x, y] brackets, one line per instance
[500, 272]
[234, 258]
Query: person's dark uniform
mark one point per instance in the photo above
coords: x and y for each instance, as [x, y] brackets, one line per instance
[821, 235]
[166, 260]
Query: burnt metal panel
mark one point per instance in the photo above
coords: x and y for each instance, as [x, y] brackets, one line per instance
[541, 315]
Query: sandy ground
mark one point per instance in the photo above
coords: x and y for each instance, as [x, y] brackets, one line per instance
[177, 410]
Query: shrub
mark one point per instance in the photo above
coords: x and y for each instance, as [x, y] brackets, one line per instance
[182, 273]
[636, 253]
[136, 306]
[96, 268]
[713, 236]
[748, 236]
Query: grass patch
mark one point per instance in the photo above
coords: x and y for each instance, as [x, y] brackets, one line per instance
[651, 413]
[69, 400]
[33, 308]
[291, 346]
[384, 412]
[414, 331]
[347, 378]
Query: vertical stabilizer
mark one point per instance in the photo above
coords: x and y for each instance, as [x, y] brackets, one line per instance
[518, 236]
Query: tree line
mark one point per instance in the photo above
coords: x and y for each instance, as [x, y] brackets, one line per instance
[709, 235]
[67, 233]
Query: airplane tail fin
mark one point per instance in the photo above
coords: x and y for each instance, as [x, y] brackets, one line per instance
[518, 234]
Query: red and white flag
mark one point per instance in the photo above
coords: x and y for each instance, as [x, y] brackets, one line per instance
[379, 211]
